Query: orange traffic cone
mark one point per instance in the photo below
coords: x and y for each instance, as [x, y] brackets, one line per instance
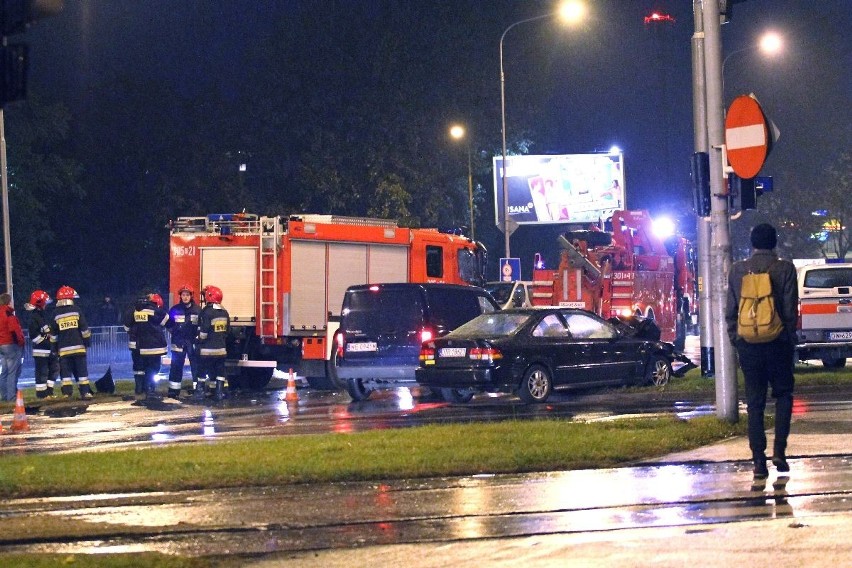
[19, 421]
[291, 395]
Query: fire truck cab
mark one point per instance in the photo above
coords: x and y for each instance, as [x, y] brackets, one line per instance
[283, 279]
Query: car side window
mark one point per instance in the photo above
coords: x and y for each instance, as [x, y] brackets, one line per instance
[584, 327]
[485, 306]
[551, 325]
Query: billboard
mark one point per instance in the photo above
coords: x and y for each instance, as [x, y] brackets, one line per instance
[567, 188]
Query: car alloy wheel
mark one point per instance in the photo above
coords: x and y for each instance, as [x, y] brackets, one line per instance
[659, 371]
[536, 384]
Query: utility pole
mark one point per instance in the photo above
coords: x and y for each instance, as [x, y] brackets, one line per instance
[720, 234]
[699, 116]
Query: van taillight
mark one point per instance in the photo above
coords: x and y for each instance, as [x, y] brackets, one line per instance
[799, 316]
[340, 340]
[426, 335]
[484, 354]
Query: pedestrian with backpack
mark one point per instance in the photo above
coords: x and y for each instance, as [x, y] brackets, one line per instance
[761, 313]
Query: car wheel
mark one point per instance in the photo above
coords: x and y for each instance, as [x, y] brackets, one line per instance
[357, 390]
[536, 384]
[457, 395]
[659, 371]
[331, 368]
[833, 362]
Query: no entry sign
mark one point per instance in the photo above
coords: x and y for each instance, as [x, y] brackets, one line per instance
[746, 136]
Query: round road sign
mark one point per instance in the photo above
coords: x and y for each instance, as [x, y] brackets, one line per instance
[746, 136]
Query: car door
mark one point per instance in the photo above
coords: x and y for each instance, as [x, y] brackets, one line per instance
[605, 357]
[550, 340]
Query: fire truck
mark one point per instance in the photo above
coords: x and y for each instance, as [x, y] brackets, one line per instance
[283, 279]
[627, 271]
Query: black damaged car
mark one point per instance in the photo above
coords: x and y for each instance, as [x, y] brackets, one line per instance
[532, 351]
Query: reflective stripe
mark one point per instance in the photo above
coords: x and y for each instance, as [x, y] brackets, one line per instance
[131, 344]
[40, 387]
[72, 350]
[208, 352]
[176, 349]
[153, 351]
[83, 380]
[86, 334]
[38, 339]
[41, 352]
[174, 385]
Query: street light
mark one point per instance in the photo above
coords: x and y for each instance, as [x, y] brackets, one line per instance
[457, 132]
[770, 43]
[571, 12]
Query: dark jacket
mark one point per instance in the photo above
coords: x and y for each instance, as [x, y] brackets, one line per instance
[213, 325]
[69, 332]
[39, 329]
[183, 323]
[785, 289]
[148, 328]
[127, 320]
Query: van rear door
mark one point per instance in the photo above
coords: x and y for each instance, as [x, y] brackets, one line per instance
[825, 294]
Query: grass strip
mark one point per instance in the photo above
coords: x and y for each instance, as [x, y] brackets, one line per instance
[424, 451]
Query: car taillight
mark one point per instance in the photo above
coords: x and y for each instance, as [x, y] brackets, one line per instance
[340, 341]
[799, 317]
[484, 354]
[427, 353]
[426, 335]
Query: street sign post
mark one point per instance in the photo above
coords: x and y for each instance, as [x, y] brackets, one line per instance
[746, 136]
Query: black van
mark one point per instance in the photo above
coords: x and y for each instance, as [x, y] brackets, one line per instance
[383, 325]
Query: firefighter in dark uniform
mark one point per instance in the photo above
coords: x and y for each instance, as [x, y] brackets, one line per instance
[44, 355]
[70, 334]
[138, 369]
[213, 325]
[183, 323]
[149, 321]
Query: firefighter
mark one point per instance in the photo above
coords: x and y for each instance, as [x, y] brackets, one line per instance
[44, 355]
[70, 335]
[148, 329]
[183, 323]
[138, 369]
[213, 325]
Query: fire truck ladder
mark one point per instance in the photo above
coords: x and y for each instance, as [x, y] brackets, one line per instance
[270, 237]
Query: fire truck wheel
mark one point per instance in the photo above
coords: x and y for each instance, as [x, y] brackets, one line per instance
[357, 390]
[658, 371]
[536, 385]
[457, 395]
[833, 362]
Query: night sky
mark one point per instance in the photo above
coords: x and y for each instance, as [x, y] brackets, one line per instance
[613, 81]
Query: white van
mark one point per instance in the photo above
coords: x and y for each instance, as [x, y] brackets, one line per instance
[825, 314]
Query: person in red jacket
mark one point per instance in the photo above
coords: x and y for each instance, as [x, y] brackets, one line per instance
[11, 348]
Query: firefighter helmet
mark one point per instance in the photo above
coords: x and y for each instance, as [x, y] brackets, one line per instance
[39, 298]
[66, 293]
[186, 288]
[157, 299]
[213, 294]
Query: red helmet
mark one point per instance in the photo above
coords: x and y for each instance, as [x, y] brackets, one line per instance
[66, 293]
[186, 288]
[157, 299]
[39, 298]
[213, 294]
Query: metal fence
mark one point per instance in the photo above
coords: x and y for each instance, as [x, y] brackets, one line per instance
[108, 347]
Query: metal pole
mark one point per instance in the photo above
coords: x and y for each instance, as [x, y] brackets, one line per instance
[720, 253]
[506, 229]
[4, 181]
[470, 191]
[699, 117]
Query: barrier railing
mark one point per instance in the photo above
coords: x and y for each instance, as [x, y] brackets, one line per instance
[108, 346]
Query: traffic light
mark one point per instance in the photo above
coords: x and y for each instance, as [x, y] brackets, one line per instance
[15, 17]
[700, 170]
[742, 193]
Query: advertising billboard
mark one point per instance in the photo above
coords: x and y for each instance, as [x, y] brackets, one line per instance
[567, 188]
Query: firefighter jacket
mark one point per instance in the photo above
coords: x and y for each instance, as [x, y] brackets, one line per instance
[10, 327]
[69, 332]
[40, 333]
[183, 323]
[213, 325]
[127, 320]
[148, 328]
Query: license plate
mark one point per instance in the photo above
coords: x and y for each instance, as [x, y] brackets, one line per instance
[361, 347]
[452, 352]
[839, 335]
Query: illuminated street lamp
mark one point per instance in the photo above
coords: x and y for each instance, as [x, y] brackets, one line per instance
[770, 43]
[571, 11]
[457, 132]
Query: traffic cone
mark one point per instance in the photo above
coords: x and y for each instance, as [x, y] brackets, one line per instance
[291, 395]
[19, 421]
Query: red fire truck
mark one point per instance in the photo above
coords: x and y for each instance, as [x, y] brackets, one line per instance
[283, 279]
[628, 271]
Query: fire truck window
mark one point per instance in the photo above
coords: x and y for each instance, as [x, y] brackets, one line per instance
[434, 262]
[467, 265]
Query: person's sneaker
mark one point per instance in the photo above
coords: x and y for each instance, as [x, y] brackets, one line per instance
[760, 469]
[780, 463]
[87, 396]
